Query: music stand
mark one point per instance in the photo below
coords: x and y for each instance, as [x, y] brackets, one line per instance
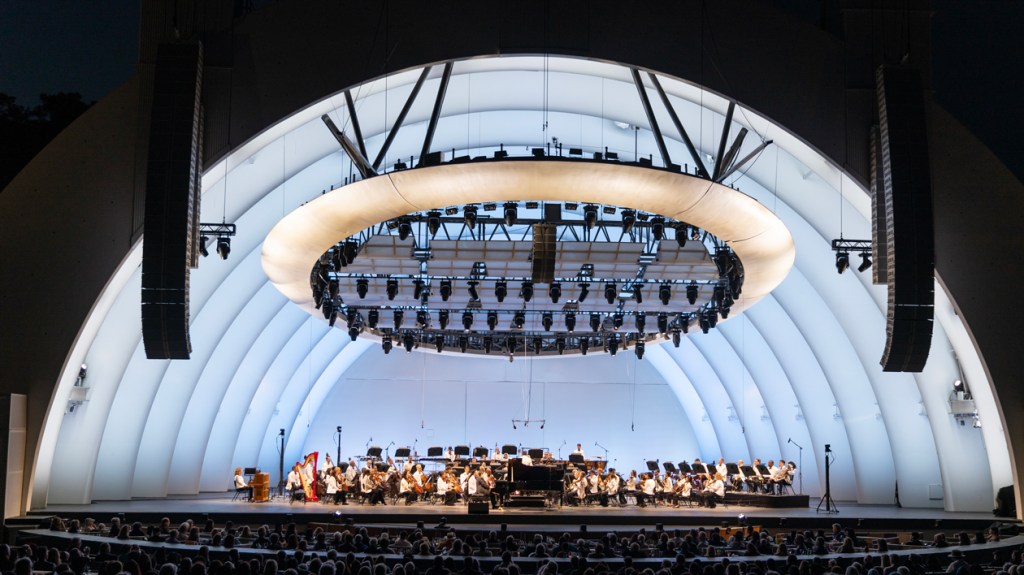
[402, 452]
[699, 468]
[382, 467]
[461, 451]
[480, 452]
[250, 471]
[510, 450]
[434, 452]
[748, 471]
[669, 467]
[652, 466]
[343, 466]
[374, 452]
[732, 468]
[536, 454]
[576, 458]
[684, 467]
[764, 470]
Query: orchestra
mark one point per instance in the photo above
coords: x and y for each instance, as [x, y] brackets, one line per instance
[452, 478]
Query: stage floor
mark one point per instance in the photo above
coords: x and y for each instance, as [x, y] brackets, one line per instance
[221, 507]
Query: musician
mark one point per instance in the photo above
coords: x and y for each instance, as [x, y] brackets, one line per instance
[665, 488]
[781, 476]
[646, 492]
[472, 483]
[683, 490]
[464, 481]
[372, 489]
[294, 483]
[721, 468]
[450, 454]
[612, 487]
[343, 485]
[409, 466]
[739, 478]
[446, 487]
[595, 488]
[579, 451]
[527, 460]
[632, 482]
[405, 488]
[331, 485]
[419, 476]
[351, 472]
[328, 464]
[241, 485]
[757, 482]
[714, 492]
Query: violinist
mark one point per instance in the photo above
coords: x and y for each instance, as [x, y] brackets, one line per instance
[372, 487]
[405, 488]
[343, 486]
[294, 484]
[331, 485]
[683, 490]
[612, 487]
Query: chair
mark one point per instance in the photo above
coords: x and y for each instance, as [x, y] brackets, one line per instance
[245, 492]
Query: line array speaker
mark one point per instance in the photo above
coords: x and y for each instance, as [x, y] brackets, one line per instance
[543, 253]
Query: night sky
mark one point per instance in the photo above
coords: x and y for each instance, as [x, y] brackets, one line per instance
[91, 46]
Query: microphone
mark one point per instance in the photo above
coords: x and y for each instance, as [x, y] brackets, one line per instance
[790, 440]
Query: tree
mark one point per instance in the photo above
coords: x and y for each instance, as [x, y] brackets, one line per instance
[24, 132]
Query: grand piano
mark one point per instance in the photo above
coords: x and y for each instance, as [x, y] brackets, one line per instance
[532, 485]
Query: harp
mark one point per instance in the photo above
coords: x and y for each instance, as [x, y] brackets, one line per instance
[309, 487]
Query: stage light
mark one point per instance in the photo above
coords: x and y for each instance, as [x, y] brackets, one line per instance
[353, 332]
[705, 324]
[223, 247]
[718, 295]
[469, 216]
[638, 293]
[417, 289]
[362, 286]
[399, 315]
[665, 293]
[958, 386]
[662, 322]
[595, 322]
[684, 323]
[658, 228]
[392, 289]
[571, 206]
[518, 320]
[332, 317]
[681, 233]
[555, 291]
[570, 322]
[584, 291]
[451, 211]
[492, 320]
[442, 318]
[613, 345]
[473, 294]
[385, 343]
[865, 262]
[408, 342]
[641, 321]
[202, 246]
[842, 261]
[537, 344]
[446, 289]
[610, 210]
[439, 343]
[628, 219]
[351, 250]
[510, 345]
[676, 338]
[372, 317]
[695, 234]
[527, 290]
[610, 292]
[560, 345]
[467, 320]
[351, 316]
[638, 349]
[617, 319]
[463, 343]
[691, 293]
[404, 228]
[488, 344]
[511, 213]
[500, 290]
[590, 215]
[433, 222]
[584, 345]
[546, 320]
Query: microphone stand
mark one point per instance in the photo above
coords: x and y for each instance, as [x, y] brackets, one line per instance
[800, 469]
[387, 451]
[415, 454]
[337, 441]
[604, 448]
[560, 450]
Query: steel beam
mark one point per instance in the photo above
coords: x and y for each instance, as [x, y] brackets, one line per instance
[721, 143]
[401, 117]
[697, 162]
[731, 154]
[355, 123]
[642, 91]
[365, 170]
[745, 159]
[436, 112]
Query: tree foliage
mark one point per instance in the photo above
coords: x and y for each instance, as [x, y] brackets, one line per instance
[25, 131]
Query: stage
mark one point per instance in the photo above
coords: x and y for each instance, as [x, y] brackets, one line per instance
[220, 507]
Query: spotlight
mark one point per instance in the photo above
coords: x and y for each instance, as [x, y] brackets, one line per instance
[638, 293]
[560, 345]
[638, 349]
[681, 234]
[392, 289]
[584, 345]
[353, 332]
[595, 322]
[385, 343]
[658, 228]
[628, 219]
[510, 345]
[408, 342]
[570, 322]
[362, 286]
[473, 294]
[555, 291]
[332, 317]
[665, 293]
[399, 315]
[641, 321]
[351, 250]
[463, 343]
[417, 290]
[546, 320]
[442, 318]
[705, 325]
[865, 262]
[718, 295]
[527, 290]
[223, 247]
[584, 291]
[500, 290]
[492, 320]
[446, 289]
[610, 210]
[433, 222]
[511, 213]
[537, 344]
[662, 322]
[691, 293]
[695, 234]
[590, 215]
[488, 344]
[467, 320]
[842, 261]
[372, 317]
[469, 216]
[518, 320]
[439, 343]
[613, 345]
[684, 323]
[351, 316]
[202, 246]
[451, 211]
[676, 337]
[617, 320]
[82, 372]
[404, 228]
[610, 292]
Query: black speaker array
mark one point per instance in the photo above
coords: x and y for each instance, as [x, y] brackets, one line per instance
[543, 253]
[909, 232]
[172, 200]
